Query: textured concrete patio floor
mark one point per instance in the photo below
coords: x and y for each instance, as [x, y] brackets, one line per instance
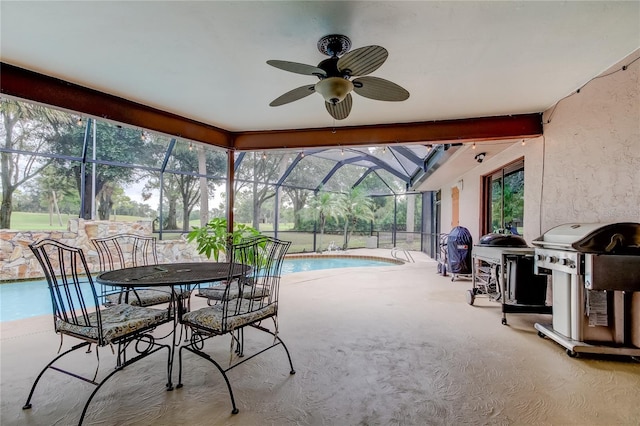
[392, 345]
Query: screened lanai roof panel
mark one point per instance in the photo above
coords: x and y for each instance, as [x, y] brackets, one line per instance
[195, 158]
[389, 184]
[374, 185]
[261, 167]
[318, 166]
[399, 160]
[343, 178]
[125, 145]
[407, 159]
[309, 172]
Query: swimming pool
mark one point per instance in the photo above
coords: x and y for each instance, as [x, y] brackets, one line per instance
[314, 263]
[30, 299]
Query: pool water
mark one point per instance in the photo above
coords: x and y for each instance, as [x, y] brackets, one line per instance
[32, 298]
[291, 266]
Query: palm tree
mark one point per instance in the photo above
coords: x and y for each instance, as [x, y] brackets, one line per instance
[354, 205]
[324, 206]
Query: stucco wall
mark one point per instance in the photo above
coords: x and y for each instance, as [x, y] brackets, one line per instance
[586, 167]
[592, 161]
[470, 195]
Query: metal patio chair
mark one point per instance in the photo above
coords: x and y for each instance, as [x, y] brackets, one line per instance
[219, 291]
[255, 304]
[129, 250]
[227, 290]
[77, 313]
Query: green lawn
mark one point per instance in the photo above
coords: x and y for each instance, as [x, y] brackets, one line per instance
[301, 241]
[22, 221]
[264, 227]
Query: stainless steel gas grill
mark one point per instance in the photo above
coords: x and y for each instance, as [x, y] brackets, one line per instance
[503, 270]
[595, 270]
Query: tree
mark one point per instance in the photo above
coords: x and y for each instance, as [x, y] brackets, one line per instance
[259, 173]
[31, 128]
[507, 193]
[114, 144]
[124, 205]
[301, 182]
[56, 189]
[323, 206]
[181, 190]
[298, 197]
[354, 206]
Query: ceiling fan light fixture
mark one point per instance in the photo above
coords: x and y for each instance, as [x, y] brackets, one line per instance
[334, 89]
[345, 71]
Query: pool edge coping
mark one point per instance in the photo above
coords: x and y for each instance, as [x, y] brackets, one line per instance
[343, 256]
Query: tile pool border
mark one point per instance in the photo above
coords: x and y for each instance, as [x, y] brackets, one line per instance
[289, 256]
[344, 256]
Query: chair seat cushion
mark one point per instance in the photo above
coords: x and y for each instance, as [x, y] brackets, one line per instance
[146, 297]
[217, 292]
[117, 321]
[211, 317]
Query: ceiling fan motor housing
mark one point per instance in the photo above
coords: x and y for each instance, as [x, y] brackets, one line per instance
[330, 66]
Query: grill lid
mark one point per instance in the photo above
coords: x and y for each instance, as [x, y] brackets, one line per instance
[610, 238]
[502, 240]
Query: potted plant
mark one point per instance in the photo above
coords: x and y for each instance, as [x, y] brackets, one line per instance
[214, 238]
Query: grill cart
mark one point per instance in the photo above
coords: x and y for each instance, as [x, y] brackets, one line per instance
[442, 254]
[459, 245]
[595, 272]
[503, 271]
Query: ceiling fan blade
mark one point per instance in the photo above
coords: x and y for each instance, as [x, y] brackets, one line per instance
[379, 89]
[341, 110]
[363, 61]
[297, 68]
[293, 95]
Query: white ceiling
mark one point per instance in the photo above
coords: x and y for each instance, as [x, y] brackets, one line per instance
[207, 60]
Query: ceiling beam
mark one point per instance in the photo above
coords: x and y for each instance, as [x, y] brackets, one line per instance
[465, 130]
[24, 84]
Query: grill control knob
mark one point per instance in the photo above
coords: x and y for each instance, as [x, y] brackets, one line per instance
[552, 259]
[564, 261]
[539, 257]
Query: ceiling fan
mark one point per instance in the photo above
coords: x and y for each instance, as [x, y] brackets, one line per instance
[336, 73]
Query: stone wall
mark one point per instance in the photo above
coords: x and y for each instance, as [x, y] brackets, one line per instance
[18, 263]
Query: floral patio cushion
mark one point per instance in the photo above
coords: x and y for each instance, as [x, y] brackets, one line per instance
[148, 297]
[117, 321]
[212, 317]
[216, 292]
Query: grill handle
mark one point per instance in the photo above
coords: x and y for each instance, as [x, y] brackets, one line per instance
[550, 244]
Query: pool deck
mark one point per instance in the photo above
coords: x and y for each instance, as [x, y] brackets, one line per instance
[389, 345]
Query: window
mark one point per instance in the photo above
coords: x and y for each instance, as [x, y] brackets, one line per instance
[504, 199]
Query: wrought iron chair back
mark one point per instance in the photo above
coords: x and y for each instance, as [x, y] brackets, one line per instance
[266, 261]
[77, 313]
[256, 301]
[125, 251]
[73, 294]
[257, 292]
